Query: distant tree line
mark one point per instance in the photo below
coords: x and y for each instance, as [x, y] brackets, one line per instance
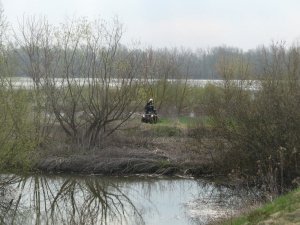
[201, 63]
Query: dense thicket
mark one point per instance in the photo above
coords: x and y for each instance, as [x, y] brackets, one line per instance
[259, 130]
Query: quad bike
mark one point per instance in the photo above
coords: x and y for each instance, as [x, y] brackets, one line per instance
[150, 117]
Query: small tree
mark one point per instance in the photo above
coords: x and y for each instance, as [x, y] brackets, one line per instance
[86, 82]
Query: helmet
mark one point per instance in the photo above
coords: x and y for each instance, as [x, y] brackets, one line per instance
[151, 100]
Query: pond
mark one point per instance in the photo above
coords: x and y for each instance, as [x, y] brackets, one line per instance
[41, 199]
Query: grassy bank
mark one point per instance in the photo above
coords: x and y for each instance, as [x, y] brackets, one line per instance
[283, 210]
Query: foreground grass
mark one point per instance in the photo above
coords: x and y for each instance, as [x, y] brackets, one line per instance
[284, 210]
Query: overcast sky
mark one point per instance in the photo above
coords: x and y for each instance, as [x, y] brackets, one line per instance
[179, 23]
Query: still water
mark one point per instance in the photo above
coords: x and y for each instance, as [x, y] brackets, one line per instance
[104, 200]
[27, 83]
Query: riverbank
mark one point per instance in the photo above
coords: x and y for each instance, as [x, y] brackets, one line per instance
[165, 148]
[283, 210]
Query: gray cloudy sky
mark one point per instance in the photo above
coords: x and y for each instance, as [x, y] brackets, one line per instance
[179, 23]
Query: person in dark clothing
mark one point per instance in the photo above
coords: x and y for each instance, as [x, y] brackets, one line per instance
[150, 115]
[149, 107]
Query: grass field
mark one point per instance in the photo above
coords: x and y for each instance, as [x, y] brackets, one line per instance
[283, 210]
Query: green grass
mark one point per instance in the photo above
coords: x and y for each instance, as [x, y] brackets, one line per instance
[168, 127]
[285, 209]
[172, 127]
[181, 121]
[165, 121]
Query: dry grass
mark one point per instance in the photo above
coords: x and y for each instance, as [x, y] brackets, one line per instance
[136, 148]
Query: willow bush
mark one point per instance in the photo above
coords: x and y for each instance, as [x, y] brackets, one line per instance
[260, 125]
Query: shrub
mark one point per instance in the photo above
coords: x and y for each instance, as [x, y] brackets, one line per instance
[262, 127]
[18, 137]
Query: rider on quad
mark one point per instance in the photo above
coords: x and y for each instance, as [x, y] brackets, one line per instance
[150, 115]
[149, 107]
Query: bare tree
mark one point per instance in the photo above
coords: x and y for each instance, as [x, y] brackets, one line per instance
[34, 49]
[89, 85]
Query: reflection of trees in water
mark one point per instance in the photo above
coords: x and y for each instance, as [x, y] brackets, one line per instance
[215, 202]
[235, 195]
[6, 196]
[151, 186]
[40, 200]
[93, 200]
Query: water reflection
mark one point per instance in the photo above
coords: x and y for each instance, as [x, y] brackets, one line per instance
[97, 200]
[44, 200]
[215, 202]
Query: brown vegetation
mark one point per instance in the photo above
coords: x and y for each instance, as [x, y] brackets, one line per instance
[134, 149]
